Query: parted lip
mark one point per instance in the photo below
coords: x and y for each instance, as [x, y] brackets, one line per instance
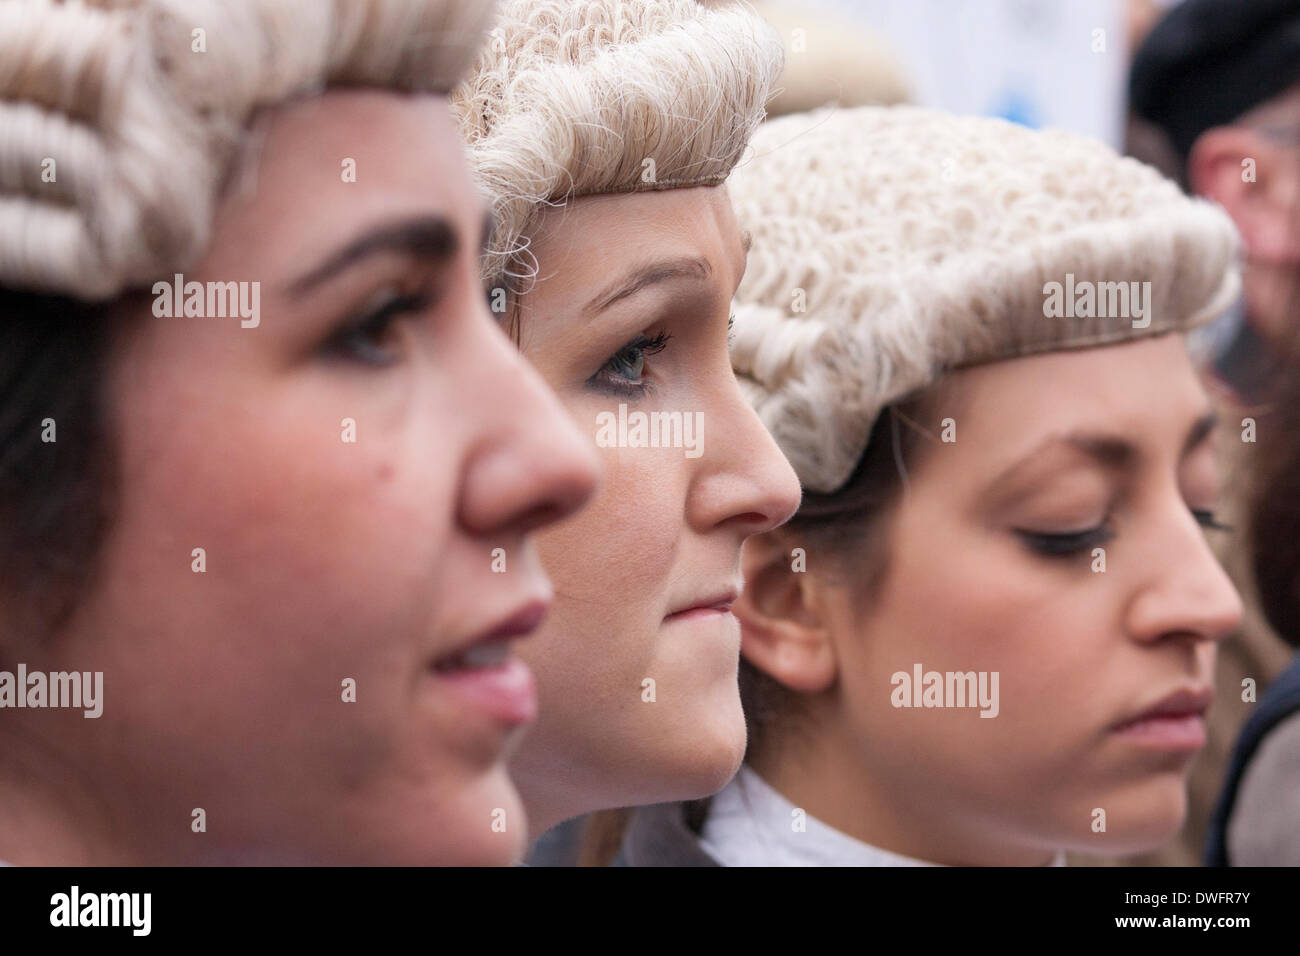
[1184, 702]
[524, 619]
[720, 600]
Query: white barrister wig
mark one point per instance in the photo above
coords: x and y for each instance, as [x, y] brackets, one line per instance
[120, 119]
[892, 244]
[575, 98]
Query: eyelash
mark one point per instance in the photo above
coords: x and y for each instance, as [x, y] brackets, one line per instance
[355, 340]
[606, 379]
[1208, 521]
[1074, 543]
[1068, 544]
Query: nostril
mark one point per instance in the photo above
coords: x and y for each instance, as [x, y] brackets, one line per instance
[754, 518]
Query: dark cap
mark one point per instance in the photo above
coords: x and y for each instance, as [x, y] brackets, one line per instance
[1209, 61]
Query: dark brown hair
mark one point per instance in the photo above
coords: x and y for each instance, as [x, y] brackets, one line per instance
[1274, 523]
[847, 530]
[53, 493]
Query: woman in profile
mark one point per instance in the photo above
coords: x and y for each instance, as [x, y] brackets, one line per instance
[602, 132]
[988, 635]
[258, 527]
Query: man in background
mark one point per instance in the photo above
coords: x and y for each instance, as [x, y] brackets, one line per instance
[1221, 80]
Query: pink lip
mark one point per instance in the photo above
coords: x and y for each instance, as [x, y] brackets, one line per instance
[506, 692]
[523, 621]
[1175, 722]
[720, 603]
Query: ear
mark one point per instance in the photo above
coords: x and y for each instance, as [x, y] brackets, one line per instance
[1258, 185]
[782, 617]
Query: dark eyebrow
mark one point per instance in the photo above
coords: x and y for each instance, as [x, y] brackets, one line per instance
[1114, 452]
[1107, 450]
[647, 275]
[428, 237]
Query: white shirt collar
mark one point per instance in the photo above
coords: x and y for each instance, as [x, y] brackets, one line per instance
[751, 824]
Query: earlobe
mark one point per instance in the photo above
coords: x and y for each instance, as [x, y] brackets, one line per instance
[782, 620]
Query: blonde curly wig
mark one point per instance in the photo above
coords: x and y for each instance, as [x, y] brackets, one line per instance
[891, 244]
[582, 97]
[119, 119]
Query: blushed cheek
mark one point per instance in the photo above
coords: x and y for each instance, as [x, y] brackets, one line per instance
[276, 562]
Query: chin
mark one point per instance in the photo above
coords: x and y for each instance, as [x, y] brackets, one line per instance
[1140, 820]
[711, 751]
[485, 826]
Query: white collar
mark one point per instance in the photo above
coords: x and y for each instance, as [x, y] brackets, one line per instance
[751, 824]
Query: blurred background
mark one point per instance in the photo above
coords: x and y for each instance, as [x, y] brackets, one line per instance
[1062, 63]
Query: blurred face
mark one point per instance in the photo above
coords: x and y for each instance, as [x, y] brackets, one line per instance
[329, 679]
[1059, 543]
[1251, 168]
[636, 665]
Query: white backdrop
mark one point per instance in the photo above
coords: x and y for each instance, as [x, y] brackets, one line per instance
[1028, 60]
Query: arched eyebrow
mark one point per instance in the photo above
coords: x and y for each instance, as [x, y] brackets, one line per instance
[1114, 452]
[432, 238]
[638, 279]
[1109, 451]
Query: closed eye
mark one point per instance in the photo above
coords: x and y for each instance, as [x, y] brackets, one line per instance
[1207, 520]
[1069, 543]
[1065, 544]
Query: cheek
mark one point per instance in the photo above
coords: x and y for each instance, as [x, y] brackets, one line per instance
[322, 560]
[617, 568]
[960, 598]
[284, 504]
[611, 566]
[612, 569]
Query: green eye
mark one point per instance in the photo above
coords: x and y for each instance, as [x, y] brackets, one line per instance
[629, 363]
